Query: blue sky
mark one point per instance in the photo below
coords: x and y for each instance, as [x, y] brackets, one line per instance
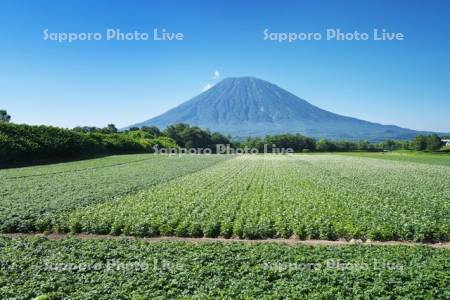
[406, 83]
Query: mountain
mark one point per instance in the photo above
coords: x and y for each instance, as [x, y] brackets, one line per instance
[248, 106]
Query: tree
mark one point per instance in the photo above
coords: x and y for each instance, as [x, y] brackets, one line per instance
[296, 142]
[175, 132]
[189, 137]
[426, 142]
[87, 129]
[419, 143]
[363, 145]
[217, 138]
[194, 137]
[4, 117]
[111, 128]
[434, 142]
[254, 142]
[389, 145]
[325, 145]
[153, 130]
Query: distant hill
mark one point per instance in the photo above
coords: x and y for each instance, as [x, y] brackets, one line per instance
[248, 106]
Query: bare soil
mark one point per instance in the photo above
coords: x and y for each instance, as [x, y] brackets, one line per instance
[291, 241]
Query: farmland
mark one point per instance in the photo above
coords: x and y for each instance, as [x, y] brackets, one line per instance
[119, 269]
[34, 198]
[305, 196]
[409, 156]
[253, 196]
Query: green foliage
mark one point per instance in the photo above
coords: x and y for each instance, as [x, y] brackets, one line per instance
[325, 146]
[314, 196]
[27, 143]
[119, 269]
[153, 130]
[187, 136]
[419, 143]
[111, 128]
[42, 297]
[426, 143]
[24, 143]
[389, 145]
[164, 142]
[408, 156]
[297, 142]
[35, 198]
[434, 142]
[4, 117]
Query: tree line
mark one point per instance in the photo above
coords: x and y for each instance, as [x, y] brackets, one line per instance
[27, 144]
[21, 143]
[300, 143]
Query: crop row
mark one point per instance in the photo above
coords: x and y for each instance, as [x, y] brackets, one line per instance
[307, 196]
[119, 269]
[416, 157]
[74, 166]
[35, 198]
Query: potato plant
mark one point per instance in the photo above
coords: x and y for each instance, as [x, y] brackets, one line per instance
[305, 196]
[119, 269]
[35, 198]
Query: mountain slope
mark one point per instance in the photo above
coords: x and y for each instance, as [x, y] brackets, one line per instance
[249, 106]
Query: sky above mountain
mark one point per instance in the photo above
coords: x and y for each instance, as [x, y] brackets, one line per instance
[405, 83]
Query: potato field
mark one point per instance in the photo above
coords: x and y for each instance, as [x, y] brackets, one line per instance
[367, 197]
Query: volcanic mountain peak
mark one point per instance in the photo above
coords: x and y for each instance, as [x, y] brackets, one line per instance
[248, 106]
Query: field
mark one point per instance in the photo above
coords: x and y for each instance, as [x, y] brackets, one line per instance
[34, 198]
[309, 196]
[111, 269]
[442, 159]
[304, 196]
